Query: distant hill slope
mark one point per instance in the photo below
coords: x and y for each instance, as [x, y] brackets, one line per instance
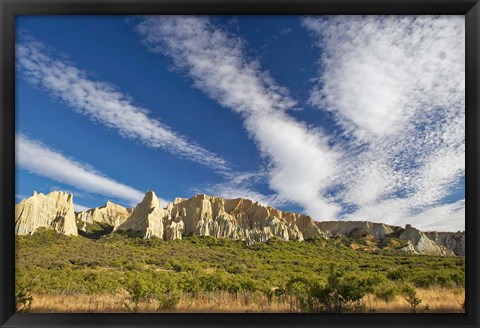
[418, 242]
[204, 215]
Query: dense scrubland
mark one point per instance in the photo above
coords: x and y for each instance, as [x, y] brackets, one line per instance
[116, 273]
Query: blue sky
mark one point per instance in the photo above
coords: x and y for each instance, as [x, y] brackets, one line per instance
[342, 118]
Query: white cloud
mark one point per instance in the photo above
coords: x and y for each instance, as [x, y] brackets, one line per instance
[377, 71]
[396, 85]
[448, 217]
[398, 212]
[301, 163]
[215, 62]
[102, 102]
[37, 158]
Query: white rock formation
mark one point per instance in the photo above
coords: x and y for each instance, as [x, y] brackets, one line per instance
[454, 241]
[357, 228]
[146, 219]
[54, 210]
[409, 248]
[111, 214]
[418, 242]
[422, 244]
[174, 230]
[204, 215]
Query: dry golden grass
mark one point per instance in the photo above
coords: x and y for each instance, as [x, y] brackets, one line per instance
[108, 303]
[438, 300]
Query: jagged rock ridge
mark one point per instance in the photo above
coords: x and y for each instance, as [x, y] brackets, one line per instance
[204, 215]
[54, 210]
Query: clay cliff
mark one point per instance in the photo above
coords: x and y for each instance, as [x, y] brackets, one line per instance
[454, 241]
[241, 219]
[204, 215]
[111, 214]
[357, 228]
[54, 210]
[418, 242]
[421, 243]
[147, 218]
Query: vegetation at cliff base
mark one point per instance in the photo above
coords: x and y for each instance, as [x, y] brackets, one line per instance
[319, 275]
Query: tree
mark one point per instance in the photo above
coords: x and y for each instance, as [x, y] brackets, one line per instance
[411, 298]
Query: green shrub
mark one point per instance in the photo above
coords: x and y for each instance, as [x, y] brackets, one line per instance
[176, 266]
[411, 297]
[195, 265]
[386, 291]
[457, 278]
[340, 294]
[138, 292]
[190, 284]
[300, 295]
[168, 300]
[398, 274]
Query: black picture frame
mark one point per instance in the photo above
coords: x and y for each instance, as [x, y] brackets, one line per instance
[9, 9]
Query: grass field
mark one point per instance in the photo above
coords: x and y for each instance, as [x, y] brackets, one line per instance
[438, 300]
[55, 273]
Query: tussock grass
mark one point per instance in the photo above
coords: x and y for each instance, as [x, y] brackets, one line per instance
[439, 300]
[212, 302]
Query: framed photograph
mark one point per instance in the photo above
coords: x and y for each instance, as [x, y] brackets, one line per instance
[206, 163]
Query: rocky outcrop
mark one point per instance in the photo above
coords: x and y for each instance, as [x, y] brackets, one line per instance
[146, 219]
[53, 211]
[111, 214]
[174, 229]
[422, 244]
[418, 242]
[357, 228]
[454, 241]
[244, 219]
[204, 215]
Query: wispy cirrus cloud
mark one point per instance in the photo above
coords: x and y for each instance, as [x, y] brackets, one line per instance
[104, 103]
[446, 217]
[40, 159]
[377, 72]
[396, 86]
[300, 161]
